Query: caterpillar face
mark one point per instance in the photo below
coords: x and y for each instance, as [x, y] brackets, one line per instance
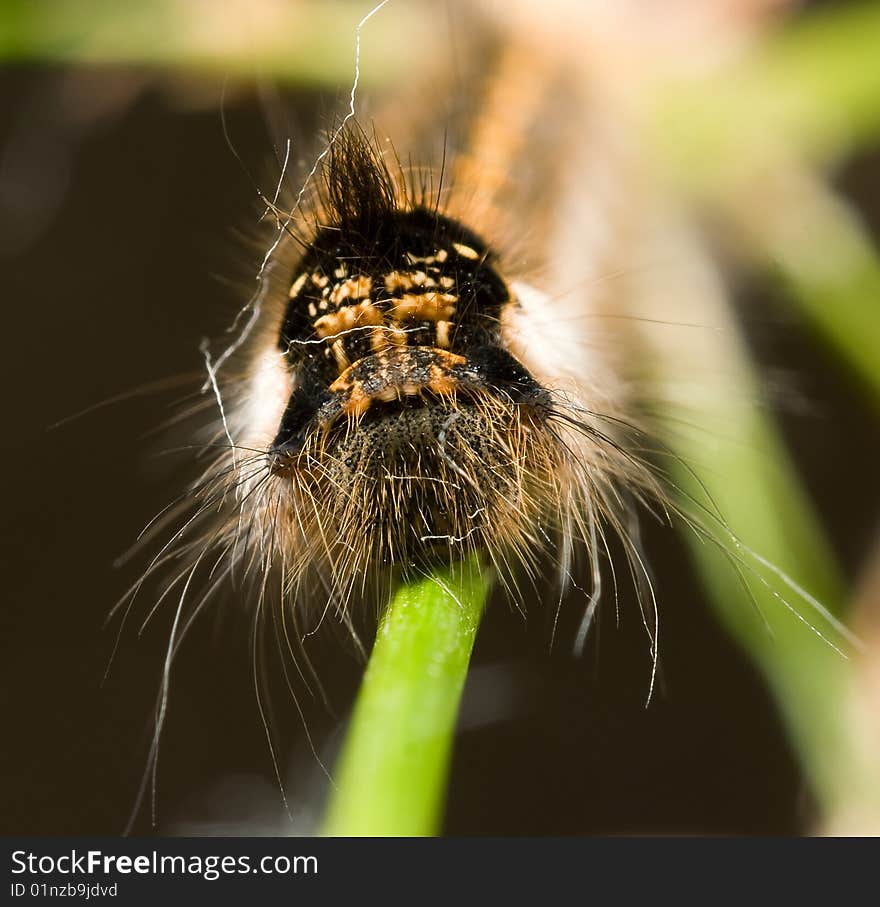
[391, 407]
[413, 319]
[407, 412]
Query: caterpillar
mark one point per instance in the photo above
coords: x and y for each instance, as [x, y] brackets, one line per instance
[397, 416]
[399, 393]
[421, 377]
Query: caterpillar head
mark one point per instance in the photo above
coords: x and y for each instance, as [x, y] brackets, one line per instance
[397, 422]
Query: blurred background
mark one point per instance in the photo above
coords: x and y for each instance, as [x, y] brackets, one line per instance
[129, 231]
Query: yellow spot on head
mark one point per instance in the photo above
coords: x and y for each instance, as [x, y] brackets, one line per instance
[340, 355]
[466, 251]
[348, 317]
[398, 280]
[443, 334]
[421, 279]
[354, 288]
[425, 307]
[297, 286]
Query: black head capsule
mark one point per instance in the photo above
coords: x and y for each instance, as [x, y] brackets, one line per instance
[410, 426]
[411, 311]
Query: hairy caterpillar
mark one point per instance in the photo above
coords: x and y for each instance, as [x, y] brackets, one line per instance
[410, 385]
[397, 395]
[395, 409]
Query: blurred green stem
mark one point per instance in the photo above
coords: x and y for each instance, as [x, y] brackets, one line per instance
[392, 773]
[732, 475]
[753, 484]
[303, 41]
[808, 92]
[752, 140]
[812, 86]
[817, 245]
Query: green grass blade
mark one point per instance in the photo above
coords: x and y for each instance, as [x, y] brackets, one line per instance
[751, 140]
[808, 93]
[838, 290]
[731, 461]
[811, 87]
[753, 484]
[392, 773]
[306, 42]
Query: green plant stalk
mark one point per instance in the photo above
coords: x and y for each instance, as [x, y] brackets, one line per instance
[391, 777]
[729, 462]
[753, 485]
[838, 290]
[752, 140]
[807, 92]
[845, 311]
[303, 41]
[812, 86]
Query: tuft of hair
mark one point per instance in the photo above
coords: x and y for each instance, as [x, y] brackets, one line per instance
[359, 191]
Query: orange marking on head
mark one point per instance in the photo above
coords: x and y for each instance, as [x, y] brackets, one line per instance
[443, 334]
[441, 382]
[353, 288]
[426, 307]
[466, 251]
[398, 280]
[385, 336]
[352, 316]
[340, 355]
[394, 382]
[298, 285]
[358, 401]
